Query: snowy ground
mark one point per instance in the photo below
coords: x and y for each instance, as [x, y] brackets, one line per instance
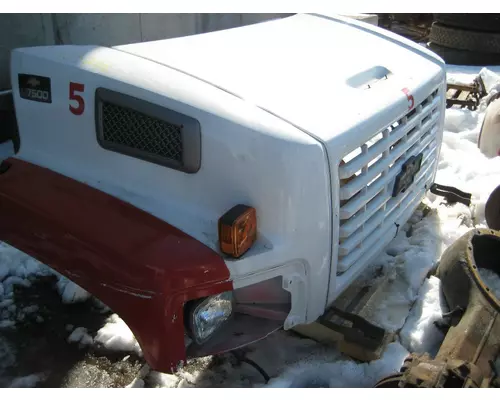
[52, 333]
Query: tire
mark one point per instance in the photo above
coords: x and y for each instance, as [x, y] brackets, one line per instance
[475, 22]
[464, 57]
[456, 38]
[492, 209]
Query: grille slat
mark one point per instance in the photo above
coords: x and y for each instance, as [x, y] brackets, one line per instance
[353, 224]
[355, 164]
[371, 224]
[349, 209]
[366, 252]
[373, 171]
[367, 176]
[137, 131]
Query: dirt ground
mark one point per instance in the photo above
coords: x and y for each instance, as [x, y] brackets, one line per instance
[41, 346]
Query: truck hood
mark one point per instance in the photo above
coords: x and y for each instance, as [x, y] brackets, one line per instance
[323, 74]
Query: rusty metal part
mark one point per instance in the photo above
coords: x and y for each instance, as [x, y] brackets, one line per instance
[420, 371]
[472, 344]
[391, 381]
[458, 270]
[463, 95]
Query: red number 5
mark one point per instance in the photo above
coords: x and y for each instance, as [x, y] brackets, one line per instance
[73, 89]
[411, 100]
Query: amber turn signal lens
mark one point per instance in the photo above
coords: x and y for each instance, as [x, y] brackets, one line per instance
[237, 230]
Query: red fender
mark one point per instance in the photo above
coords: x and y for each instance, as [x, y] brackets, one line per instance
[140, 266]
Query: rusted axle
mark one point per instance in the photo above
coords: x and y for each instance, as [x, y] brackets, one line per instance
[467, 354]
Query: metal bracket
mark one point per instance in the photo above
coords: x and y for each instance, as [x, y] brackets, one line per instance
[354, 328]
[451, 194]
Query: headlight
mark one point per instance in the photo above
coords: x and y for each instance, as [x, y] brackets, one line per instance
[207, 316]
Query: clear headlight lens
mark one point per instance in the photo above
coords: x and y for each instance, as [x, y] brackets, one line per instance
[210, 314]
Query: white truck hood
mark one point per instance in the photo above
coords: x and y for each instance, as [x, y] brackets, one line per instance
[323, 74]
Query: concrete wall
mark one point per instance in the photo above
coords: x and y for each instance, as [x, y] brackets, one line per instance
[17, 30]
[24, 30]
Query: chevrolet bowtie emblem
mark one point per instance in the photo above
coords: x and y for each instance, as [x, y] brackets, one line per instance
[33, 82]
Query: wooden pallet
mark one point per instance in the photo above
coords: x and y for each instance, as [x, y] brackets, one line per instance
[465, 96]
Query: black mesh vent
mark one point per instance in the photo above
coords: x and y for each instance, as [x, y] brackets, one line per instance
[136, 131]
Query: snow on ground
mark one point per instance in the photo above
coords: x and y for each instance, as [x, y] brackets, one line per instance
[467, 73]
[70, 292]
[116, 335]
[80, 335]
[27, 381]
[419, 334]
[7, 355]
[159, 380]
[342, 373]
[408, 302]
[406, 261]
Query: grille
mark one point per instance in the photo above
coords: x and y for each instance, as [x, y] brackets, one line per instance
[367, 176]
[140, 133]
